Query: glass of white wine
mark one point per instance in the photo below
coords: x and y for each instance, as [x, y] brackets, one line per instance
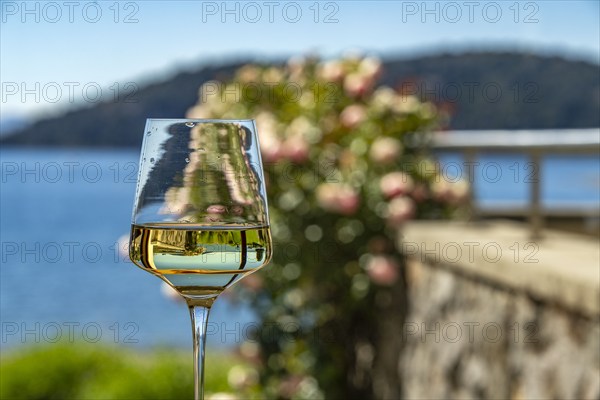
[200, 218]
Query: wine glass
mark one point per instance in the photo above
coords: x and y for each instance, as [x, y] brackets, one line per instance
[200, 219]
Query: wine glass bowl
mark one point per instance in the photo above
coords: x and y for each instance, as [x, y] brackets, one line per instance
[200, 218]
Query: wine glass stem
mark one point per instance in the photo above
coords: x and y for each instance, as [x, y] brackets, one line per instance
[199, 316]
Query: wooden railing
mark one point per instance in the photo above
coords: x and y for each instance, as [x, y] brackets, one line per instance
[533, 143]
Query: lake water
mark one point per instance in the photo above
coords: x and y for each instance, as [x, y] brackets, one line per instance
[503, 180]
[62, 276]
[62, 213]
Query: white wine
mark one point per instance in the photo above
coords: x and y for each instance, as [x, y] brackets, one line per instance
[200, 261]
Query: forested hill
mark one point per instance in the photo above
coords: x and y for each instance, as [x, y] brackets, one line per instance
[480, 90]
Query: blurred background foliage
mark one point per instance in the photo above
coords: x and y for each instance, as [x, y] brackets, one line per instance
[346, 164]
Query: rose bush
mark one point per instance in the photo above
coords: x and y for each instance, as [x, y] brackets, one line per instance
[346, 165]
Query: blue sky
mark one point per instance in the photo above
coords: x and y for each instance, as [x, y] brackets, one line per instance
[55, 51]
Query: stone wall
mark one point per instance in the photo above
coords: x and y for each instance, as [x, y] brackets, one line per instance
[490, 314]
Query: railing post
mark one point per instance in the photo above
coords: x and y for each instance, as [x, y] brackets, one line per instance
[470, 167]
[536, 221]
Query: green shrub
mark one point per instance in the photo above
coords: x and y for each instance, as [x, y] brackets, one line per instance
[346, 165]
[100, 372]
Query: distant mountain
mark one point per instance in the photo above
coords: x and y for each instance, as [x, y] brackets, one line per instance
[505, 90]
[486, 90]
[11, 124]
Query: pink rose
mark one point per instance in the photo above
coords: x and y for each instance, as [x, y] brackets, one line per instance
[237, 210]
[295, 148]
[248, 73]
[270, 147]
[419, 193]
[450, 192]
[370, 67]
[383, 270]
[216, 209]
[288, 386]
[396, 184]
[400, 210]
[270, 144]
[337, 198]
[331, 71]
[348, 201]
[385, 150]
[356, 84]
[352, 116]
